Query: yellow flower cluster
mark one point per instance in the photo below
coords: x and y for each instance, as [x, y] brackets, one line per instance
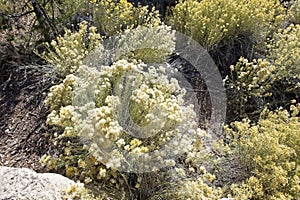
[251, 79]
[156, 106]
[285, 52]
[75, 161]
[77, 164]
[79, 192]
[294, 12]
[149, 44]
[67, 52]
[199, 188]
[110, 16]
[154, 96]
[208, 22]
[270, 148]
[61, 95]
[135, 147]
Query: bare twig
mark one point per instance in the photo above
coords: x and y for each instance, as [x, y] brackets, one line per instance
[18, 15]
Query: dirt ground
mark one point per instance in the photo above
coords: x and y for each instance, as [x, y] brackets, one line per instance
[23, 132]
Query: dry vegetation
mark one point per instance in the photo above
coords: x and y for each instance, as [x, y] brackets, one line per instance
[47, 124]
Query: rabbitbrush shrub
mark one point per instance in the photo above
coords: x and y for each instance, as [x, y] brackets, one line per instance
[156, 106]
[248, 81]
[116, 117]
[285, 52]
[256, 80]
[270, 150]
[208, 22]
[93, 105]
[147, 43]
[111, 16]
[294, 12]
[67, 52]
[150, 44]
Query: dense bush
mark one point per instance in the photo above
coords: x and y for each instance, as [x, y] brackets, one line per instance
[272, 80]
[270, 150]
[294, 12]
[150, 44]
[110, 16]
[199, 188]
[112, 111]
[208, 22]
[155, 104]
[67, 52]
[101, 122]
[248, 82]
[285, 52]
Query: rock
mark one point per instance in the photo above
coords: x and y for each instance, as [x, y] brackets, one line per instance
[26, 184]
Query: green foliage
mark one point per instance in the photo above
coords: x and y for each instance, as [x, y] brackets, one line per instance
[270, 149]
[208, 22]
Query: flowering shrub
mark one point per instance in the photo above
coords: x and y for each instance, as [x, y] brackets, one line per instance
[79, 192]
[270, 149]
[104, 133]
[149, 44]
[208, 22]
[285, 52]
[152, 104]
[294, 12]
[143, 43]
[199, 188]
[252, 78]
[113, 16]
[67, 53]
[249, 80]
[153, 108]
